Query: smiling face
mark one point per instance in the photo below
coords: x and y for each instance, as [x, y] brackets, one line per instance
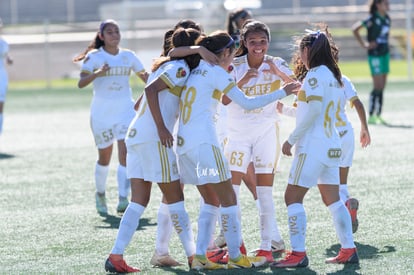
[257, 44]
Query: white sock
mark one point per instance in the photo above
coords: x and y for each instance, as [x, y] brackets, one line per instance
[343, 224]
[268, 223]
[1, 123]
[232, 230]
[164, 230]
[206, 226]
[182, 225]
[101, 174]
[343, 192]
[297, 226]
[123, 182]
[127, 227]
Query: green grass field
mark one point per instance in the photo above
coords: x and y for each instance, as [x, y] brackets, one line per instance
[49, 223]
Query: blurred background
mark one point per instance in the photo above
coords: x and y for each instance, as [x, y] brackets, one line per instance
[44, 35]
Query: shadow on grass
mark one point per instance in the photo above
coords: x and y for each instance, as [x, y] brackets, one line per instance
[402, 126]
[113, 222]
[6, 156]
[259, 270]
[364, 252]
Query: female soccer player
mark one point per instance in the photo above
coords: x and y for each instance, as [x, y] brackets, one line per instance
[201, 160]
[378, 28]
[317, 152]
[4, 79]
[344, 127]
[108, 67]
[254, 135]
[151, 157]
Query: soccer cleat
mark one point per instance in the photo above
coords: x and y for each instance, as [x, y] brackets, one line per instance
[243, 249]
[265, 253]
[218, 256]
[101, 207]
[122, 205]
[380, 120]
[372, 119]
[119, 266]
[352, 205]
[220, 241]
[278, 247]
[244, 261]
[292, 259]
[201, 262]
[163, 261]
[345, 256]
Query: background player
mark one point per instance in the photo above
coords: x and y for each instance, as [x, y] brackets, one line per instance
[378, 28]
[108, 67]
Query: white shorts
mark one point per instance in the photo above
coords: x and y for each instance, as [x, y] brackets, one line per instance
[307, 172]
[260, 147]
[152, 162]
[105, 132]
[203, 164]
[347, 146]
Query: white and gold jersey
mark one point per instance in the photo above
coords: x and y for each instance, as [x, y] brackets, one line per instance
[321, 139]
[349, 95]
[142, 128]
[115, 83]
[265, 83]
[198, 106]
[112, 101]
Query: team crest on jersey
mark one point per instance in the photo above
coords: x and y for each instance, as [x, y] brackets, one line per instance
[313, 82]
[181, 73]
[230, 68]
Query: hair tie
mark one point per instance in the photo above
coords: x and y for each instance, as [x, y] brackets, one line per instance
[228, 45]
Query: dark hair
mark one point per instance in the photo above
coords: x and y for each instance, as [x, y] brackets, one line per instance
[216, 42]
[186, 24]
[235, 15]
[320, 52]
[97, 42]
[373, 6]
[299, 69]
[251, 26]
[181, 37]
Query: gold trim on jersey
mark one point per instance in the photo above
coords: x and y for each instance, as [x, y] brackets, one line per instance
[301, 96]
[175, 90]
[299, 167]
[229, 87]
[314, 97]
[165, 167]
[351, 101]
[217, 94]
[220, 163]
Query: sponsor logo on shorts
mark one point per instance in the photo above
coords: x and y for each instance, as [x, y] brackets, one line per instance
[334, 153]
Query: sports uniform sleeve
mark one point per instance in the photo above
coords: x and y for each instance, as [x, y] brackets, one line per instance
[174, 75]
[350, 91]
[88, 65]
[314, 109]
[283, 66]
[250, 103]
[137, 65]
